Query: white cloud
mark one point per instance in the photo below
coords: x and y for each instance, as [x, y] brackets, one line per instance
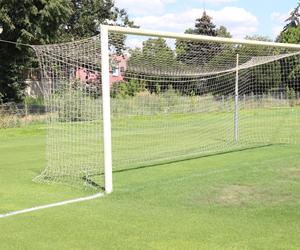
[278, 21]
[134, 42]
[219, 1]
[276, 30]
[279, 17]
[239, 21]
[142, 7]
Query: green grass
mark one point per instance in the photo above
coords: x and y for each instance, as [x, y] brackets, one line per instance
[245, 199]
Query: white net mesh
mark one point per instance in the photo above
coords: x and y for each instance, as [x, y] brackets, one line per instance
[73, 100]
[170, 100]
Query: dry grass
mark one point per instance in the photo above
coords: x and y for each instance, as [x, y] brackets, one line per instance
[238, 195]
[14, 120]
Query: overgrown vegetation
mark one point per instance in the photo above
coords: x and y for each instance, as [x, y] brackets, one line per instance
[125, 89]
[75, 105]
[17, 115]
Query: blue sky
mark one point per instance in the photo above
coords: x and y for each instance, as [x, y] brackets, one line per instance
[241, 17]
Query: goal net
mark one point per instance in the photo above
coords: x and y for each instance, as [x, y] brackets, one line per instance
[172, 97]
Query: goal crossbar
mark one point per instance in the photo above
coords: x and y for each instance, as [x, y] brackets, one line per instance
[174, 35]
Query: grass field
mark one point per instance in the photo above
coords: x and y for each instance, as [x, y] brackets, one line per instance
[244, 199]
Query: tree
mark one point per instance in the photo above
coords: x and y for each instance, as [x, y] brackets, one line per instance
[258, 38]
[291, 64]
[32, 21]
[254, 79]
[87, 15]
[293, 20]
[223, 32]
[48, 21]
[265, 77]
[204, 26]
[291, 34]
[197, 52]
[154, 58]
[155, 52]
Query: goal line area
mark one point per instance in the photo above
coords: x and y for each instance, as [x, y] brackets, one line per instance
[128, 98]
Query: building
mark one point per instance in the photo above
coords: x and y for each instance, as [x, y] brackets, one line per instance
[118, 66]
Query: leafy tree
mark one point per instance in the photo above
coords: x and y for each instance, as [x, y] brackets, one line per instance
[87, 15]
[154, 58]
[259, 38]
[48, 21]
[125, 89]
[223, 32]
[255, 79]
[156, 53]
[291, 34]
[265, 77]
[31, 21]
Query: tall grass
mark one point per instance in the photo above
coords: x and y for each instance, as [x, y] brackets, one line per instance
[79, 107]
[18, 115]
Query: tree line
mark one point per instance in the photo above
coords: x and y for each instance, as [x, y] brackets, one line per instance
[156, 57]
[54, 21]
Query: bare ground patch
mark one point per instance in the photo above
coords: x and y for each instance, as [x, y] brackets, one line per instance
[293, 172]
[238, 195]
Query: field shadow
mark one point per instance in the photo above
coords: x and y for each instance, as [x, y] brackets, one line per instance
[196, 157]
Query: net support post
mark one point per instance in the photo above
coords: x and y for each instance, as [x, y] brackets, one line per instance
[106, 110]
[236, 101]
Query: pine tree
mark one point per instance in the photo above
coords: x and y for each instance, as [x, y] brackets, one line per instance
[293, 21]
[204, 26]
[195, 52]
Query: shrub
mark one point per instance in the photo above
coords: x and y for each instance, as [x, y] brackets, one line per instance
[126, 89]
[291, 95]
[75, 105]
[30, 101]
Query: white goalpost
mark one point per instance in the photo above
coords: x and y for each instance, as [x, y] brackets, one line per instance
[218, 85]
[106, 109]
[277, 52]
[129, 98]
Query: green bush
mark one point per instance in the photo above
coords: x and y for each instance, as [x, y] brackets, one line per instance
[30, 101]
[75, 105]
[291, 95]
[126, 89]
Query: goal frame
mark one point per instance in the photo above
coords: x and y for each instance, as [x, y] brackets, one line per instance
[107, 138]
[105, 29]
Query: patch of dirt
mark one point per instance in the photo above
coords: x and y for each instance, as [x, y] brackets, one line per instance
[291, 172]
[295, 172]
[238, 195]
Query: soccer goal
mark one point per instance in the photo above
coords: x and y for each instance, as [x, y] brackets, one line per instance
[129, 98]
